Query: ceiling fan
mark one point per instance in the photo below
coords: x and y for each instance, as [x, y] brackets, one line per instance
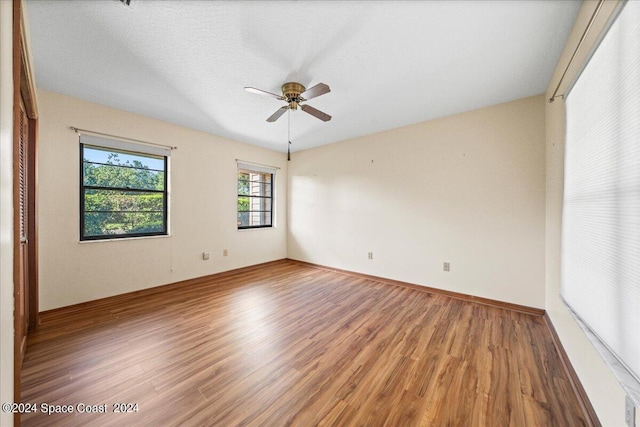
[293, 94]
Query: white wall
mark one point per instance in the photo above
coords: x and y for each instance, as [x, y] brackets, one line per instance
[6, 209]
[604, 391]
[202, 208]
[466, 189]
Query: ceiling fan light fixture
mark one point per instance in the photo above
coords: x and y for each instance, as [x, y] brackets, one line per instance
[291, 92]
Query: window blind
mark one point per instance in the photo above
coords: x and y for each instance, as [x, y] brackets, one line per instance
[119, 144]
[600, 279]
[256, 167]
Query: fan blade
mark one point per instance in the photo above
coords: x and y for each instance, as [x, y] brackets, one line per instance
[317, 90]
[263, 92]
[316, 113]
[275, 116]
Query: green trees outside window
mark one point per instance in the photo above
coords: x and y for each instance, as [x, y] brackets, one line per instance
[123, 194]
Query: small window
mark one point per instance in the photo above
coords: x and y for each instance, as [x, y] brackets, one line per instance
[255, 197]
[122, 193]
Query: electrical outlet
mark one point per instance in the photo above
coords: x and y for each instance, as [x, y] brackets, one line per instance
[447, 267]
[629, 412]
[370, 255]
[225, 252]
[205, 255]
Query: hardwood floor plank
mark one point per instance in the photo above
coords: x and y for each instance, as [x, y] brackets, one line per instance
[287, 343]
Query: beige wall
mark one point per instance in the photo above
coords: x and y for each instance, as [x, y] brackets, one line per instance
[466, 189]
[604, 391]
[6, 210]
[202, 208]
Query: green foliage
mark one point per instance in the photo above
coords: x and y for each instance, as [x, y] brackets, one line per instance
[122, 175]
[243, 188]
[243, 202]
[243, 183]
[119, 211]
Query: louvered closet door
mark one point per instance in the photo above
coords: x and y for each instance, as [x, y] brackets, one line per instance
[22, 300]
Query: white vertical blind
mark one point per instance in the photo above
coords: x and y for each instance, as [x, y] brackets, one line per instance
[601, 207]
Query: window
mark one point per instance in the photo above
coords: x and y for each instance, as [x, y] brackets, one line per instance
[123, 189]
[601, 206]
[255, 196]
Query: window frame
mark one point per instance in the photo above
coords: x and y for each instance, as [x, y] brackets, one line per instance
[83, 188]
[263, 171]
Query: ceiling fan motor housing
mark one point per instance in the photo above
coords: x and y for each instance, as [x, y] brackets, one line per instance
[291, 91]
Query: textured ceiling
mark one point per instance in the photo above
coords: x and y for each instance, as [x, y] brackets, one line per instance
[389, 63]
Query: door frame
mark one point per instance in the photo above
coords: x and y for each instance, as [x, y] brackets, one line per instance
[24, 90]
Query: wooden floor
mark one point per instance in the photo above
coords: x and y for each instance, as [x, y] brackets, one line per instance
[291, 344]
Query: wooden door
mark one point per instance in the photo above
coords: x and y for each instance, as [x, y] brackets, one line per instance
[22, 258]
[25, 227]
